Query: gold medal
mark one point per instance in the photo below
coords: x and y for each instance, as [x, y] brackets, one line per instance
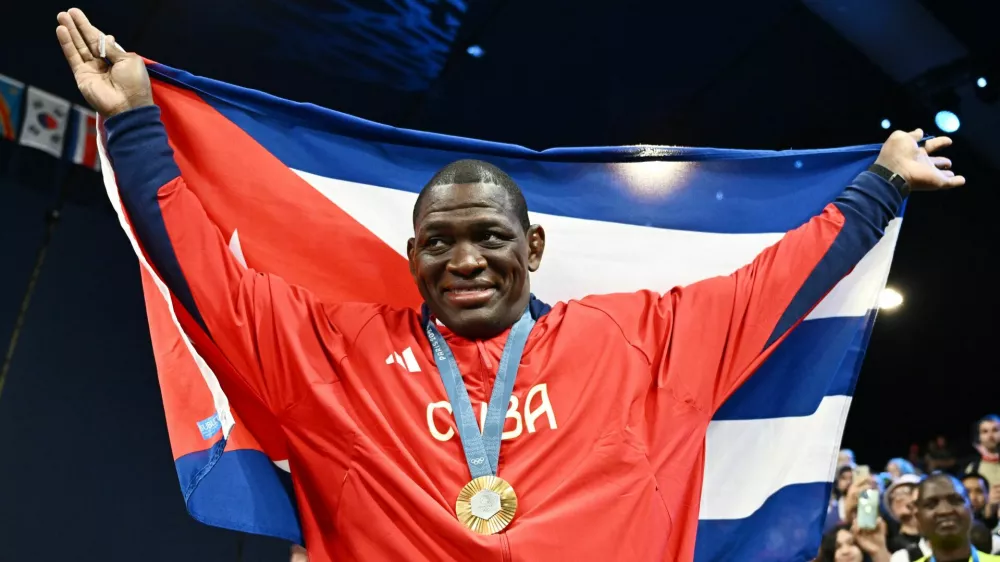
[486, 505]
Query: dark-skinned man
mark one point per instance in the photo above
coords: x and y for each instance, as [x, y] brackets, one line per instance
[945, 519]
[603, 428]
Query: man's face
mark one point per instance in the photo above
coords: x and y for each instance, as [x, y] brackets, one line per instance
[989, 434]
[943, 514]
[977, 492]
[470, 258]
[901, 503]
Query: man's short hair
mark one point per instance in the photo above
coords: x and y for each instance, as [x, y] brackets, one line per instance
[477, 171]
[986, 483]
[938, 476]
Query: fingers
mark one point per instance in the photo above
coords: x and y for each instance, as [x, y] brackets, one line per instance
[941, 163]
[936, 143]
[113, 50]
[955, 181]
[66, 21]
[68, 48]
[90, 34]
[917, 134]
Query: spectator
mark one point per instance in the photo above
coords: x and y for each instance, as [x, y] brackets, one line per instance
[898, 467]
[978, 490]
[981, 538]
[899, 502]
[939, 456]
[987, 463]
[846, 544]
[845, 458]
[945, 519]
[841, 484]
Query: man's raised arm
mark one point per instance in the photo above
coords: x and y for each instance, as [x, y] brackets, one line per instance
[705, 339]
[761, 302]
[249, 317]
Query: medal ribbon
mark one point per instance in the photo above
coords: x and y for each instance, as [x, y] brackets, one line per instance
[482, 450]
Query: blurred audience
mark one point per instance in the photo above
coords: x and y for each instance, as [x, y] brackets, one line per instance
[934, 506]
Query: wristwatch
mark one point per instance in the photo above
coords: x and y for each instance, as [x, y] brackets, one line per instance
[895, 179]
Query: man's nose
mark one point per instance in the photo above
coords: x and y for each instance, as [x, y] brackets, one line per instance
[466, 260]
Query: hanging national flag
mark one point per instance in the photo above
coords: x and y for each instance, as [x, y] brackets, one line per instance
[81, 147]
[45, 119]
[324, 201]
[11, 94]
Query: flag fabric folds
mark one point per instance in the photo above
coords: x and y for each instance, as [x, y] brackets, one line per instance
[617, 219]
[11, 94]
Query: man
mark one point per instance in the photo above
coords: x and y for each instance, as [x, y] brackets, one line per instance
[978, 490]
[635, 378]
[899, 502]
[945, 519]
[987, 462]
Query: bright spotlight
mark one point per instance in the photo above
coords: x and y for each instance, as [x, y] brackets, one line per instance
[889, 299]
[947, 121]
[475, 50]
[981, 82]
[886, 123]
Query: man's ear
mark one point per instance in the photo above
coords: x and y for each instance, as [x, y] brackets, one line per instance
[411, 245]
[536, 246]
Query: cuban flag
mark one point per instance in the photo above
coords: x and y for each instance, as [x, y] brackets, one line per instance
[303, 192]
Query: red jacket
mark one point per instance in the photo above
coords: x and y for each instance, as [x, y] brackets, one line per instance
[605, 432]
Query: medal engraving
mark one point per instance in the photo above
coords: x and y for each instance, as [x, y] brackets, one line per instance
[485, 504]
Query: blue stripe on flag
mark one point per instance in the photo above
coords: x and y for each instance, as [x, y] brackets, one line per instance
[769, 196]
[242, 491]
[787, 527]
[819, 358]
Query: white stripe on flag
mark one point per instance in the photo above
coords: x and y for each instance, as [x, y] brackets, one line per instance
[746, 461]
[586, 257]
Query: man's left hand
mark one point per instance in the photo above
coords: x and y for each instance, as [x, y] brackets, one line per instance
[922, 170]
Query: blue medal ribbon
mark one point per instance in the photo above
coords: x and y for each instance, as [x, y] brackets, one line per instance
[482, 449]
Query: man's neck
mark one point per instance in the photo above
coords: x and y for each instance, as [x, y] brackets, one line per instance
[948, 553]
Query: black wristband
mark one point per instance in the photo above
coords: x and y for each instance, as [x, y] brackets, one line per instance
[893, 178]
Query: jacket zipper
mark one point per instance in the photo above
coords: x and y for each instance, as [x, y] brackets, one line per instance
[505, 547]
[487, 368]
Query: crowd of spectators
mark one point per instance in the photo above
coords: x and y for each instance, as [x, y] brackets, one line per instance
[928, 505]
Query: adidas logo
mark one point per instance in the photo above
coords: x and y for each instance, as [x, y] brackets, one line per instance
[406, 360]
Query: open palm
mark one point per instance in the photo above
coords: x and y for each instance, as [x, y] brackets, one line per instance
[919, 165]
[108, 88]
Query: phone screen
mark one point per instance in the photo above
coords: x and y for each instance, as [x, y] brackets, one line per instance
[862, 472]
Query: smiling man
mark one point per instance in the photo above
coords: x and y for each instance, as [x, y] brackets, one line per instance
[945, 519]
[601, 404]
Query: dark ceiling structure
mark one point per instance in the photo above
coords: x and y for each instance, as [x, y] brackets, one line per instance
[542, 73]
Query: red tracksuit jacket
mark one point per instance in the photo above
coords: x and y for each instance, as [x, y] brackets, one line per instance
[605, 432]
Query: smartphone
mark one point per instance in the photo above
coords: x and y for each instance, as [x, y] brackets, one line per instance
[867, 516]
[862, 472]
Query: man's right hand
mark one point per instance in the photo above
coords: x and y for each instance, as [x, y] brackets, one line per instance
[109, 89]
